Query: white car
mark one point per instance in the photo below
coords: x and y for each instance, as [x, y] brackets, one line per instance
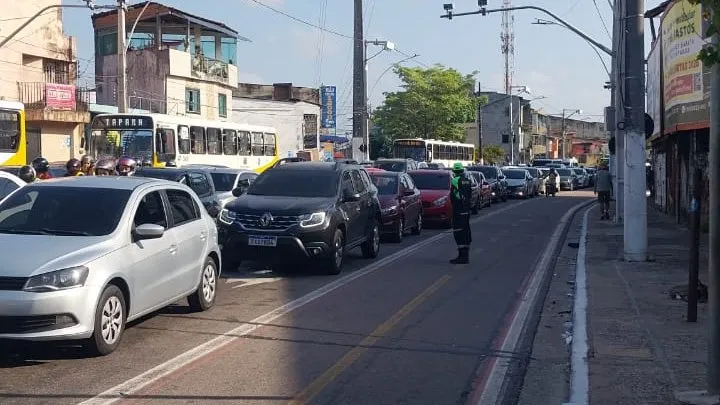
[9, 183]
[82, 256]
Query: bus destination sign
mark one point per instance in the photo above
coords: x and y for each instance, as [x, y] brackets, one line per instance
[123, 122]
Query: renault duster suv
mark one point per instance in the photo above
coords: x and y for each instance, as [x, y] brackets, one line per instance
[300, 211]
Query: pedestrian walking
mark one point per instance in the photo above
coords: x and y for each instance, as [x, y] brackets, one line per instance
[461, 200]
[603, 190]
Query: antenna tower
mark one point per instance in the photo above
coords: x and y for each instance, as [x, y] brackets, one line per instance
[507, 45]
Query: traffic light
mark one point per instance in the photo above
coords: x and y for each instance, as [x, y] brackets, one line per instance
[363, 148]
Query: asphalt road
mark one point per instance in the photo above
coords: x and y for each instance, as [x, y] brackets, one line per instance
[407, 328]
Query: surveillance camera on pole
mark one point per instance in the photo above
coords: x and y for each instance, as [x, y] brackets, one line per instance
[449, 10]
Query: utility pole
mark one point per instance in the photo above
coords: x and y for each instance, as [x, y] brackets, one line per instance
[359, 97]
[512, 128]
[562, 134]
[479, 127]
[620, 86]
[122, 94]
[635, 219]
[714, 267]
[610, 122]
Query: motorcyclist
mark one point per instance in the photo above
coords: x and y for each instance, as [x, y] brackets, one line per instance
[461, 199]
[552, 182]
[73, 167]
[42, 168]
[126, 166]
[86, 165]
[105, 167]
[27, 174]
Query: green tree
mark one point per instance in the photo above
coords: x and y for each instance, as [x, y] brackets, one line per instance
[432, 105]
[493, 154]
[710, 54]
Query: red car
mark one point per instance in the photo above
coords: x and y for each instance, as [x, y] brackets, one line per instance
[400, 204]
[434, 188]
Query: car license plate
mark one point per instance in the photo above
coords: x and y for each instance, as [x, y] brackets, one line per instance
[266, 241]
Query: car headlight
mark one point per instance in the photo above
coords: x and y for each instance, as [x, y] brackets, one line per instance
[440, 201]
[390, 210]
[64, 279]
[310, 220]
[226, 216]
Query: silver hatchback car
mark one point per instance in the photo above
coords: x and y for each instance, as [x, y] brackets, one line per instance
[82, 256]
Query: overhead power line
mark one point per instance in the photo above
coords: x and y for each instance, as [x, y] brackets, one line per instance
[300, 20]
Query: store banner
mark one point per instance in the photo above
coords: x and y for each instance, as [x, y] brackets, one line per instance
[686, 83]
[654, 94]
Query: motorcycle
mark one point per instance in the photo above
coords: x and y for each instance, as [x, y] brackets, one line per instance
[550, 188]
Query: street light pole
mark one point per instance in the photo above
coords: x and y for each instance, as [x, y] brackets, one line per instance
[122, 94]
[386, 46]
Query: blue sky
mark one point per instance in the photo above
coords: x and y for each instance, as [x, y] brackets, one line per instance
[549, 59]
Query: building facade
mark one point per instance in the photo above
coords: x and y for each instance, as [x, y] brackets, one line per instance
[39, 68]
[177, 63]
[293, 111]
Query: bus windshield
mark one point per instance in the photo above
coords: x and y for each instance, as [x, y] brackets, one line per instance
[135, 143]
[405, 151]
[9, 130]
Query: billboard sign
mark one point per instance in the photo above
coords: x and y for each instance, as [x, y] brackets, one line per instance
[60, 96]
[654, 95]
[686, 82]
[328, 99]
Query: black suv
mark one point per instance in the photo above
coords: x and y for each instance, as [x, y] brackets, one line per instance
[495, 178]
[304, 210]
[198, 179]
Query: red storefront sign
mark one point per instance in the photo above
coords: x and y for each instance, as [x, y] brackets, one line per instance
[60, 96]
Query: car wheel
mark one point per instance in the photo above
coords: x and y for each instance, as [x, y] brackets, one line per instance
[397, 237]
[417, 229]
[332, 265]
[110, 315]
[204, 297]
[371, 247]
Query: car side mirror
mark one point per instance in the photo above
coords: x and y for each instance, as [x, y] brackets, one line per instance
[485, 183]
[148, 231]
[501, 177]
[213, 211]
[349, 196]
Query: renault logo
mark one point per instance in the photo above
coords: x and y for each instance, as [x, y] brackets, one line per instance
[266, 219]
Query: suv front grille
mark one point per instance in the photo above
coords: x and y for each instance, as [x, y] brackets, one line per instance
[12, 283]
[278, 223]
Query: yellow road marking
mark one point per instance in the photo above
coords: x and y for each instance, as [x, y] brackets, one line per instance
[317, 386]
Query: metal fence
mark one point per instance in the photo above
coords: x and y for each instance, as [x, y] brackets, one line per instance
[41, 95]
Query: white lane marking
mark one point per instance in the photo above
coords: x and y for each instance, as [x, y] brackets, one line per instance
[156, 373]
[246, 282]
[580, 378]
[493, 387]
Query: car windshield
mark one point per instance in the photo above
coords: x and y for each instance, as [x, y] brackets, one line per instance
[431, 181]
[295, 183]
[224, 181]
[489, 172]
[391, 166]
[54, 210]
[162, 174]
[578, 171]
[386, 184]
[563, 172]
[514, 174]
[534, 172]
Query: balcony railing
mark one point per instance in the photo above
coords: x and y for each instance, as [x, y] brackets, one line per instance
[53, 96]
[210, 69]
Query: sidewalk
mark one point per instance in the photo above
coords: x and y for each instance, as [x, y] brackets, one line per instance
[641, 348]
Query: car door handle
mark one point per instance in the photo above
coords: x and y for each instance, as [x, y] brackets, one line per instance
[173, 249]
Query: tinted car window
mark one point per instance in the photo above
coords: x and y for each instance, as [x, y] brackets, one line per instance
[514, 174]
[489, 172]
[224, 181]
[183, 208]
[151, 211]
[431, 181]
[199, 184]
[6, 187]
[295, 183]
[163, 174]
[563, 172]
[578, 172]
[359, 183]
[391, 166]
[347, 183]
[534, 172]
[55, 210]
[386, 184]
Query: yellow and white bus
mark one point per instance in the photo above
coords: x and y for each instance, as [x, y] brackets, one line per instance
[13, 145]
[184, 141]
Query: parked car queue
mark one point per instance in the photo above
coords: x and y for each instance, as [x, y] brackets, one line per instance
[150, 237]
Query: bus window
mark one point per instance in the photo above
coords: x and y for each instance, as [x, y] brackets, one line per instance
[184, 139]
[197, 140]
[269, 143]
[165, 144]
[9, 130]
[257, 144]
[229, 141]
[244, 143]
[213, 141]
